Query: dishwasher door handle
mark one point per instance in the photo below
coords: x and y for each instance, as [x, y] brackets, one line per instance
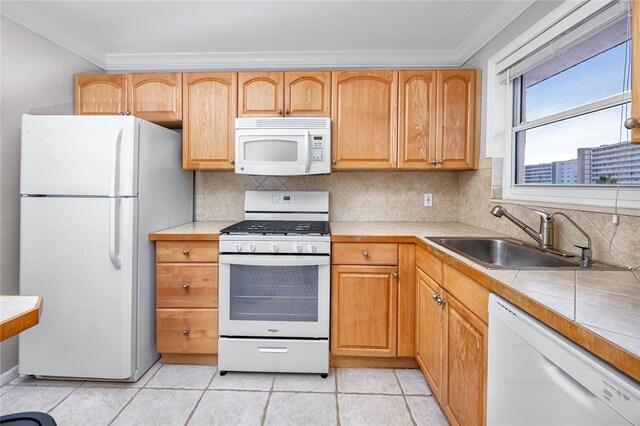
[579, 393]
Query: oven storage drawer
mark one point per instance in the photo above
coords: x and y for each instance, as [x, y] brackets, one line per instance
[187, 251]
[364, 254]
[274, 355]
[187, 330]
[186, 285]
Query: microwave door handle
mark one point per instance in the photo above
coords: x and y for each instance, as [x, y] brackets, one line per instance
[307, 148]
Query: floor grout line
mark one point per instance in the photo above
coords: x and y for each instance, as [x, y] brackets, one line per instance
[404, 397]
[63, 399]
[195, 407]
[339, 421]
[124, 407]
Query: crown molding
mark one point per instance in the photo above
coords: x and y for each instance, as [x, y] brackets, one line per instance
[25, 15]
[246, 61]
[491, 27]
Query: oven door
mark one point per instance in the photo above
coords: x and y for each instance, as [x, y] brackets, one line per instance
[274, 296]
[274, 152]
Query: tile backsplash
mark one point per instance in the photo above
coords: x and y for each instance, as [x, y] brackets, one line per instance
[399, 196]
[354, 196]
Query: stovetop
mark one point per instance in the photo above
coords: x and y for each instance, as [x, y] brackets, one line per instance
[277, 227]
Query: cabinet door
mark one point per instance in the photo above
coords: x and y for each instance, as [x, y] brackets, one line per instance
[364, 311]
[456, 130]
[100, 94]
[208, 126]
[430, 332]
[364, 112]
[417, 120]
[260, 94]
[307, 93]
[466, 365]
[156, 97]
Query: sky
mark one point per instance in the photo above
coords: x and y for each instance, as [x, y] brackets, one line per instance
[596, 78]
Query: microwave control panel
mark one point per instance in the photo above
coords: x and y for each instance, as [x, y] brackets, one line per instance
[317, 149]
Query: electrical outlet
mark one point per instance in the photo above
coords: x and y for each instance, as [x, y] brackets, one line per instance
[428, 200]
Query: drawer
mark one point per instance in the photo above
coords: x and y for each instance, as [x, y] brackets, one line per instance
[364, 254]
[470, 293]
[429, 264]
[187, 331]
[279, 355]
[186, 251]
[186, 285]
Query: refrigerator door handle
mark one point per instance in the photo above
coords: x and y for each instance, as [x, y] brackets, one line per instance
[115, 163]
[114, 225]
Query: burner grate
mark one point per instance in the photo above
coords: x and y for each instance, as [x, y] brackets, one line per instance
[278, 227]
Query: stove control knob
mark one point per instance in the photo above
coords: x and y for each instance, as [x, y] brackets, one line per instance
[251, 247]
[237, 247]
[311, 248]
[274, 248]
[297, 248]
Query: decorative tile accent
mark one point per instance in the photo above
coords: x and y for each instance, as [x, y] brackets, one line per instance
[354, 196]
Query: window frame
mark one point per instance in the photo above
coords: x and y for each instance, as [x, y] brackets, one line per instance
[502, 108]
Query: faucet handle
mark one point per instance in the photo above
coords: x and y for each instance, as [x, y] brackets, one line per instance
[544, 217]
[585, 256]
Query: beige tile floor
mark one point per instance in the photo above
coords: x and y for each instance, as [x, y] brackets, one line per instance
[197, 395]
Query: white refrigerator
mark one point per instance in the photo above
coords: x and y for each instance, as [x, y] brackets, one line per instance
[92, 189]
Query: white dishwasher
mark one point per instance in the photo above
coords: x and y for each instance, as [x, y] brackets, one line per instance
[539, 377]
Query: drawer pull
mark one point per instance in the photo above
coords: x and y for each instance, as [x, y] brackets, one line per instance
[186, 286]
[274, 350]
[186, 252]
[434, 297]
[365, 254]
[185, 332]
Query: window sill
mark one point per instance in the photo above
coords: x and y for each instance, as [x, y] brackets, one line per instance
[625, 211]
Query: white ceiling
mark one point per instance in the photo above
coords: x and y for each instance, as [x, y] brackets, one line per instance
[192, 35]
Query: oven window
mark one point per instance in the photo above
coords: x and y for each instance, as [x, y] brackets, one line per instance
[274, 293]
[271, 150]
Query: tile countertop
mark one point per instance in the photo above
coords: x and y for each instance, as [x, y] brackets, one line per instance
[594, 308]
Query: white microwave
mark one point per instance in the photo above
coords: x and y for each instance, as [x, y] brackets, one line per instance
[283, 146]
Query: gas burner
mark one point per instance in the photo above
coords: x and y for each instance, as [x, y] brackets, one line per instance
[278, 227]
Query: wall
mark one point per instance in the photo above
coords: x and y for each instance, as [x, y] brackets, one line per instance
[617, 244]
[37, 78]
[354, 196]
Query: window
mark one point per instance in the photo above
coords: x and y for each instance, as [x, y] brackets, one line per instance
[569, 112]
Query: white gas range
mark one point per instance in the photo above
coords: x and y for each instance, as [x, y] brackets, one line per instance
[274, 284]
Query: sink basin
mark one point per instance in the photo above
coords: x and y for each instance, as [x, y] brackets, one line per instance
[507, 253]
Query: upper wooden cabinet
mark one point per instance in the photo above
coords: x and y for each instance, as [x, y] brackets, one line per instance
[417, 119]
[457, 133]
[156, 97]
[279, 94]
[100, 94]
[438, 119]
[208, 120]
[364, 116]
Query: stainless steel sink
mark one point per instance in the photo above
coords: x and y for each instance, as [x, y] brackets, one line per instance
[507, 253]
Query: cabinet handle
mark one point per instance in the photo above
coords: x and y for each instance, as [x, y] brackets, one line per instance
[365, 254]
[186, 286]
[394, 275]
[186, 252]
[439, 161]
[185, 332]
[434, 297]
[440, 301]
[279, 112]
[333, 161]
[286, 112]
[127, 113]
[631, 123]
[433, 161]
[232, 161]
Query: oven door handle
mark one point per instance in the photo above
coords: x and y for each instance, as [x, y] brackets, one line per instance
[266, 260]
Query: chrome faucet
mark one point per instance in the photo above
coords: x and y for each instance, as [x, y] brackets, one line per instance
[544, 237]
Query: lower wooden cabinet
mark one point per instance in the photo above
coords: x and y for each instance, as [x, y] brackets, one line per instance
[364, 310]
[430, 332]
[187, 301]
[466, 365]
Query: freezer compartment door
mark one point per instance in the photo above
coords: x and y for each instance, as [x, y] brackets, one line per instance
[79, 155]
[82, 260]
